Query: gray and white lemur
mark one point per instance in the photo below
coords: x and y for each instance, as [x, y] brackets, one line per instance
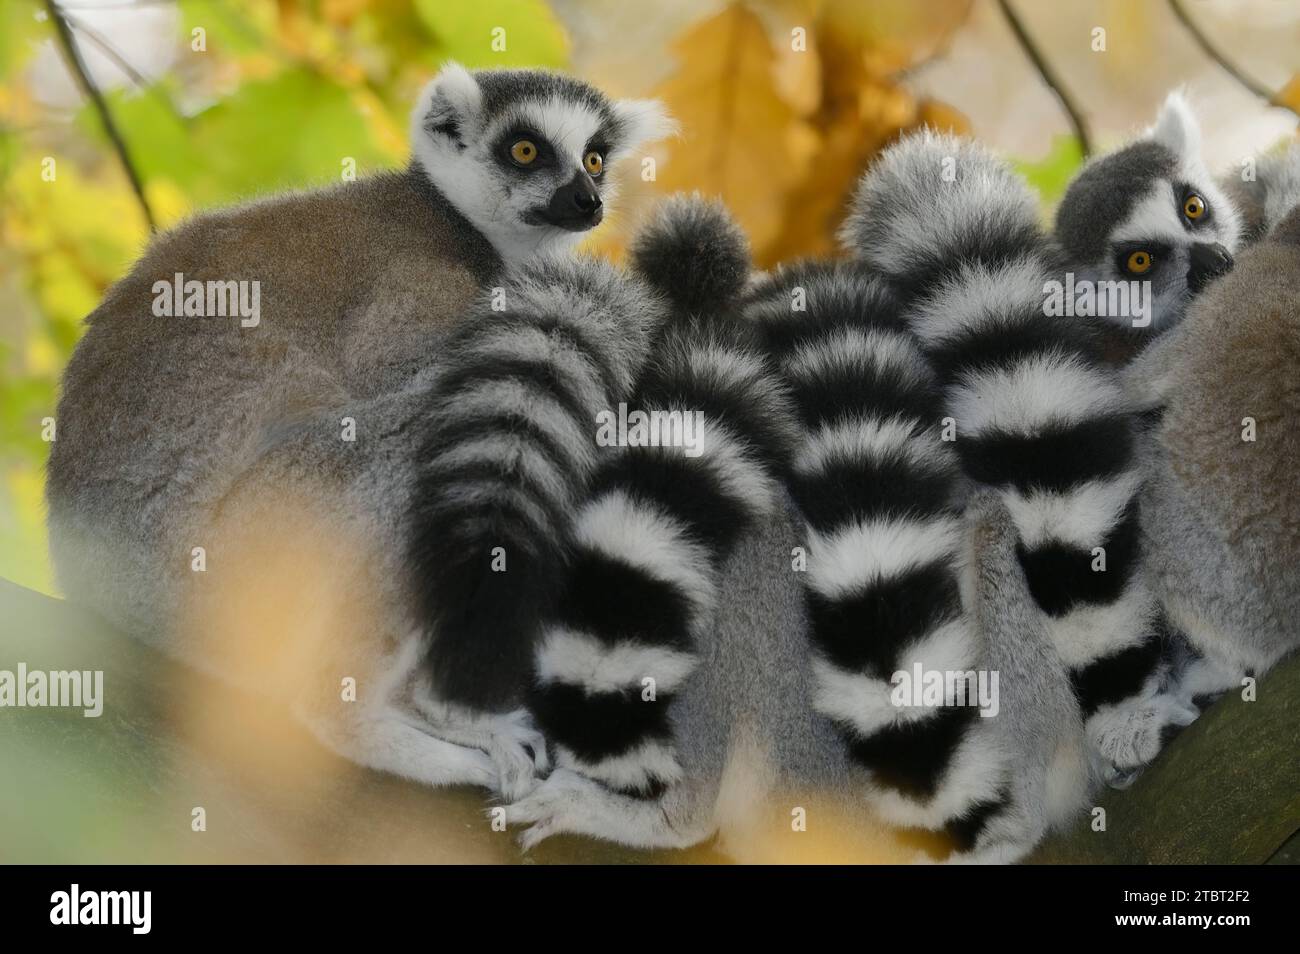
[649, 541]
[764, 694]
[243, 494]
[954, 281]
[947, 314]
[1150, 212]
[1219, 517]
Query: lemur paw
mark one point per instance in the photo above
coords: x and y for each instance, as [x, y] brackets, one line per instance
[519, 753]
[559, 804]
[1127, 737]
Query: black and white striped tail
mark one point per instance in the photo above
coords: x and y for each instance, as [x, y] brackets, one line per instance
[508, 452]
[879, 491]
[1037, 415]
[647, 544]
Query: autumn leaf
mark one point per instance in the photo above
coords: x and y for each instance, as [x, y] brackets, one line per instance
[863, 108]
[740, 139]
[1288, 97]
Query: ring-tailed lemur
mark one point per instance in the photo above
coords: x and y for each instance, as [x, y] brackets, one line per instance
[663, 515]
[503, 460]
[879, 492]
[1148, 212]
[241, 491]
[541, 141]
[1219, 513]
[1036, 414]
[650, 540]
[953, 259]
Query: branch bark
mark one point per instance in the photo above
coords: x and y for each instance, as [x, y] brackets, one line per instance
[1048, 76]
[92, 92]
[1210, 50]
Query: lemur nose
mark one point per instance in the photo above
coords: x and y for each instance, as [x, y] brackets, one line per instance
[575, 205]
[1208, 261]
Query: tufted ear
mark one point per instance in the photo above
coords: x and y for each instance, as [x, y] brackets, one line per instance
[641, 121]
[448, 107]
[1176, 126]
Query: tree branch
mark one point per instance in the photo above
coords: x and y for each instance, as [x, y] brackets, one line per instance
[1048, 77]
[1225, 64]
[141, 81]
[88, 87]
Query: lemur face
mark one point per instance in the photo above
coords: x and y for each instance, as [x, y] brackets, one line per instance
[525, 155]
[1151, 212]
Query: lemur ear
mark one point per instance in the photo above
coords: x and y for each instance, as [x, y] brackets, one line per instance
[1176, 126]
[642, 121]
[448, 106]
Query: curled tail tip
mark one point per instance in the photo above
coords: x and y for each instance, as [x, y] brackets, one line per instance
[693, 252]
[931, 195]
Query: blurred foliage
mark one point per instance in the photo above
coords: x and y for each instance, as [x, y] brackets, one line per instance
[280, 95]
[284, 91]
[1050, 175]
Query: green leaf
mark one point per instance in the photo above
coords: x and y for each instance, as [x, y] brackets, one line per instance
[1052, 174]
[228, 27]
[290, 131]
[20, 33]
[464, 32]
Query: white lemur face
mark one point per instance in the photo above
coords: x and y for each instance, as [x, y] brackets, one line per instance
[526, 155]
[1152, 212]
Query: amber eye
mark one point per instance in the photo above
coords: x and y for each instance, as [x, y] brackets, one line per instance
[1193, 206]
[594, 162]
[1139, 262]
[524, 151]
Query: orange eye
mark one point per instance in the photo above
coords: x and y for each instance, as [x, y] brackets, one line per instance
[1193, 206]
[1139, 262]
[594, 162]
[524, 151]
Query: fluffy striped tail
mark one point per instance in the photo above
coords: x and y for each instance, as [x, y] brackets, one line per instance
[1037, 415]
[642, 585]
[880, 495]
[505, 460]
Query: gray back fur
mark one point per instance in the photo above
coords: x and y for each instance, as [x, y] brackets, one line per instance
[162, 418]
[1220, 513]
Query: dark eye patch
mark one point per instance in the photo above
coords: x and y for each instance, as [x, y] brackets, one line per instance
[1159, 252]
[501, 150]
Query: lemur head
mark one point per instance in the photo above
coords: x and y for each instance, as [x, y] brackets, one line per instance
[1151, 212]
[525, 155]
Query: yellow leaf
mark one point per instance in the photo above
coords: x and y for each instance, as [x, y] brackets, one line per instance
[1288, 96]
[891, 35]
[792, 26]
[43, 359]
[736, 129]
[863, 109]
